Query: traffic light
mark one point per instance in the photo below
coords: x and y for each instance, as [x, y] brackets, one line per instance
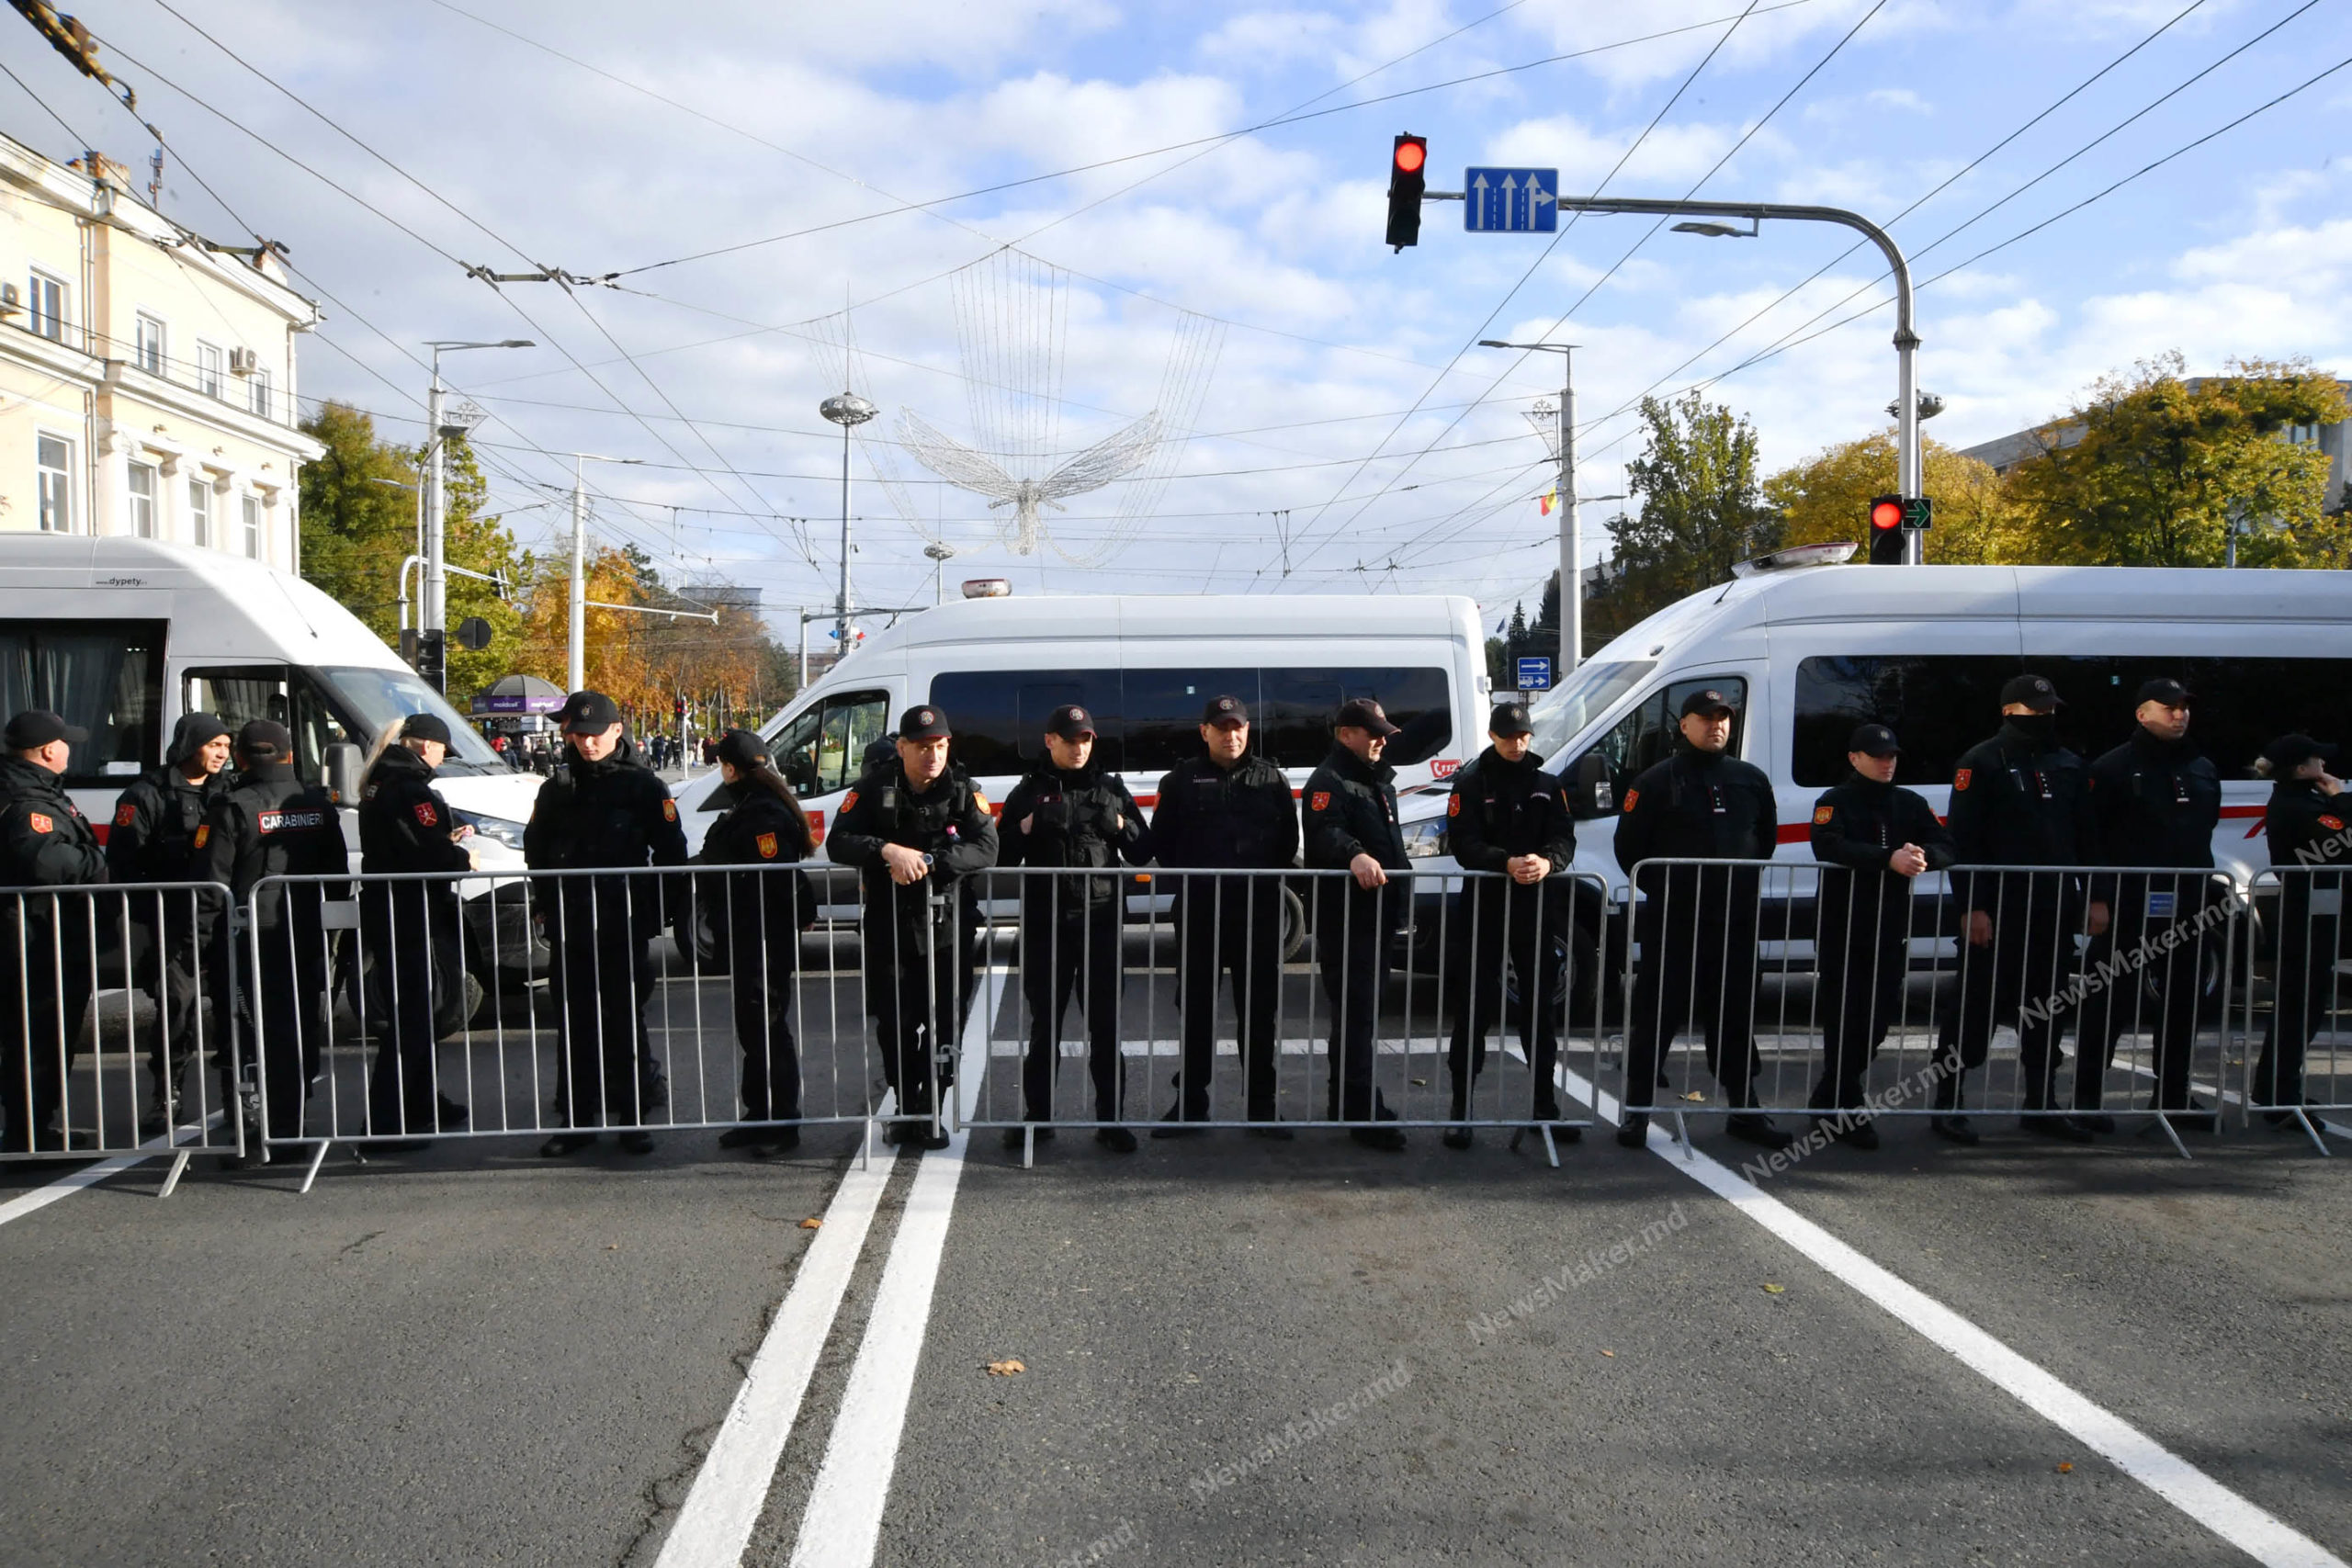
[1407, 179]
[433, 658]
[1887, 543]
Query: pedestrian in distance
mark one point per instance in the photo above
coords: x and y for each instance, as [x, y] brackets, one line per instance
[410, 933]
[1874, 840]
[1225, 811]
[2154, 801]
[152, 839]
[271, 824]
[48, 936]
[1507, 814]
[1697, 924]
[1067, 811]
[2018, 799]
[601, 809]
[2306, 823]
[1351, 825]
[756, 918]
[919, 831]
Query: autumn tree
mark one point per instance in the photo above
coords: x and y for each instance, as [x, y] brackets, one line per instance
[1827, 498]
[1701, 511]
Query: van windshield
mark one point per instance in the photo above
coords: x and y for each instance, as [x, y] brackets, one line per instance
[375, 698]
[1561, 715]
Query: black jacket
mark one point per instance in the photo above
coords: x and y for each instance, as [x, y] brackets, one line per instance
[153, 837]
[2018, 799]
[404, 824]
[949, 821]
[271, 824]
[2155, 802]
[762, 824]
[45, 842]
[604, 815]
[1500, 809]
[1697, 805]
[1859, 825]
[1241, 817]
[1080, 817]
[1351, 811]
[2300, 823]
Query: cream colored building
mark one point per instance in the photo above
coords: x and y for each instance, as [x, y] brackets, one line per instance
[146, 378]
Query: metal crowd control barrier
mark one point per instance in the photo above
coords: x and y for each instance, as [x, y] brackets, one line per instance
[1841, 995]
[2301, 1068]
[1183, 1000]
[399, 1008]
[114, 1038]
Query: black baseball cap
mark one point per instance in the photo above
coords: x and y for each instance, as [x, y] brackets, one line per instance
[1225, 710]
[1708, 701]
[1362, 713]
[743, 749]
[1508, 718]
[588, 713]
[39, 727]
[1070, 721]
[924, 722]
[1874, 740]
[2288, 752]
[265, 741]
[2162, 689]
[426, 727]
[2034, 691]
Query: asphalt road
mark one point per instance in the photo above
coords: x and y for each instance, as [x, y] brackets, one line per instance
[1233, 1351]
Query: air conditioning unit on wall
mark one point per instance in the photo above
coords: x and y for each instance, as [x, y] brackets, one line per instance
[244, 362]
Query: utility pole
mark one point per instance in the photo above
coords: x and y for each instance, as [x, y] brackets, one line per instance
[432, 619]
[847, 409]
[1563, 439]
[576, 638]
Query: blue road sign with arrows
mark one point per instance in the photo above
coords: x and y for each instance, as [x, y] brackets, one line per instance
[1535, 673]
[1510, 201]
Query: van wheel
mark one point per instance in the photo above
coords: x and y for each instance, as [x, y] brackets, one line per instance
[1294, 923]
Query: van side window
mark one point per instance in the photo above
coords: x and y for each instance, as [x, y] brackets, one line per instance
[821, 751]
[999, 715]
[241, 693]
[1645, 736]
[1161, 713]
[1937, 704]
[106, 676]
[1300, 704]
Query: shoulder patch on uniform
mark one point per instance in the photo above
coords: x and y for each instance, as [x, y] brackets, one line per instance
[2332, 824]
[40, 824]
[426, 815]
[849, 801]
[766, 842]
[203, 831]
[1823, 815]
[980, 799]
[670, 809]
[1960, 779]
[125, 815]
[1321, 801]
[1633, 798]
[1454, 806]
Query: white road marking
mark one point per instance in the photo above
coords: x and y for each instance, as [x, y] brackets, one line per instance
[2259, 1534]
[90, 1175]
[843, 1520]
[723, 1507]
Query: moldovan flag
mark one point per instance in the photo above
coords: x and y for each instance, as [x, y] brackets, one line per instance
[1547, 500]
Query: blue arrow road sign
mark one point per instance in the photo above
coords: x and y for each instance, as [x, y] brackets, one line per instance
[1510, 201]
[1535, 673]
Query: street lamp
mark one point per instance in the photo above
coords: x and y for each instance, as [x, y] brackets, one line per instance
[1564, 448]
[943, 552]
[434, 613]
[576, 644]
[846, 409]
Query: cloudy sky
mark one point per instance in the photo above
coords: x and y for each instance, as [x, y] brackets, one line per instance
[1195, 194]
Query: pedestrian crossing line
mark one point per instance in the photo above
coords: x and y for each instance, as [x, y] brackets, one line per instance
[2244, 1525]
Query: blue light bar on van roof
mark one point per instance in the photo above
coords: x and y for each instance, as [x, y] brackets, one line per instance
[1794, 556]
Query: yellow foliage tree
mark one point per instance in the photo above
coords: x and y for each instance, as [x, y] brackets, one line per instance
[1827, 498]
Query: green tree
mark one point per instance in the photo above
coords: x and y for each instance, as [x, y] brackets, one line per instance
[1827, 497]
[476, 539]
[2162, 468]
[1701, 509]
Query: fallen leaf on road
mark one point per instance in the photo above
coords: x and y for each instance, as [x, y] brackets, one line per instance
[1609, 1353]
[2065, 1467]
[1006, 1369]
[1420, 1083]
[1696, 1095]
[611, 1247]
[811, 1225]
[1775, 1290]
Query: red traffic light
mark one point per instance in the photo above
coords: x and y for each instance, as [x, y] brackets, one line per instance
[1410, 155]
[1887, 513]
[1406, 185]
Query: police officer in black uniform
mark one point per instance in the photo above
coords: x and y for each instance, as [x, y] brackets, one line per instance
[1873, 838]
[2019, 798]
[760, 914]
[1225, 810]
[1507, 814]
[602, 808]
[1352, 826]
[2155, 800]
[2306, 818]
[272, 824]
[415, 946]
[1067, 811]
[1697, 924]
[153, 839]
[919, 831]
[45, 938]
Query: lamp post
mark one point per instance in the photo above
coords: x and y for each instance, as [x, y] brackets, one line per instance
[433, 616]
[846, 409]
[1564, 448]
[943, 552]
[576, 663]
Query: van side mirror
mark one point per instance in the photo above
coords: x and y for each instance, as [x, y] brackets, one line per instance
[1592, 787]
[339, 770]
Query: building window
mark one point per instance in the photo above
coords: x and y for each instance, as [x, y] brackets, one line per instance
[148, 347]
[53, 459]
[142, 500]
[207, 370]
[260, 386]
[253, 526]
[199, 512]
[46, 309]
[2302, 435]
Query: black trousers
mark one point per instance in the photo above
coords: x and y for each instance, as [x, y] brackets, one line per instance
[284, 1005]
[2021, 977]
[919, 945]
[763, 955]
[1228, 925]
[1492, 922]
[2133, 949]
[1065, 952]
[1698, 971]
[2305, 997]
[1351, 949]
[1862, 955]
[601, 980]
[191, 1015]
[408, 935]
[41, 1005]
